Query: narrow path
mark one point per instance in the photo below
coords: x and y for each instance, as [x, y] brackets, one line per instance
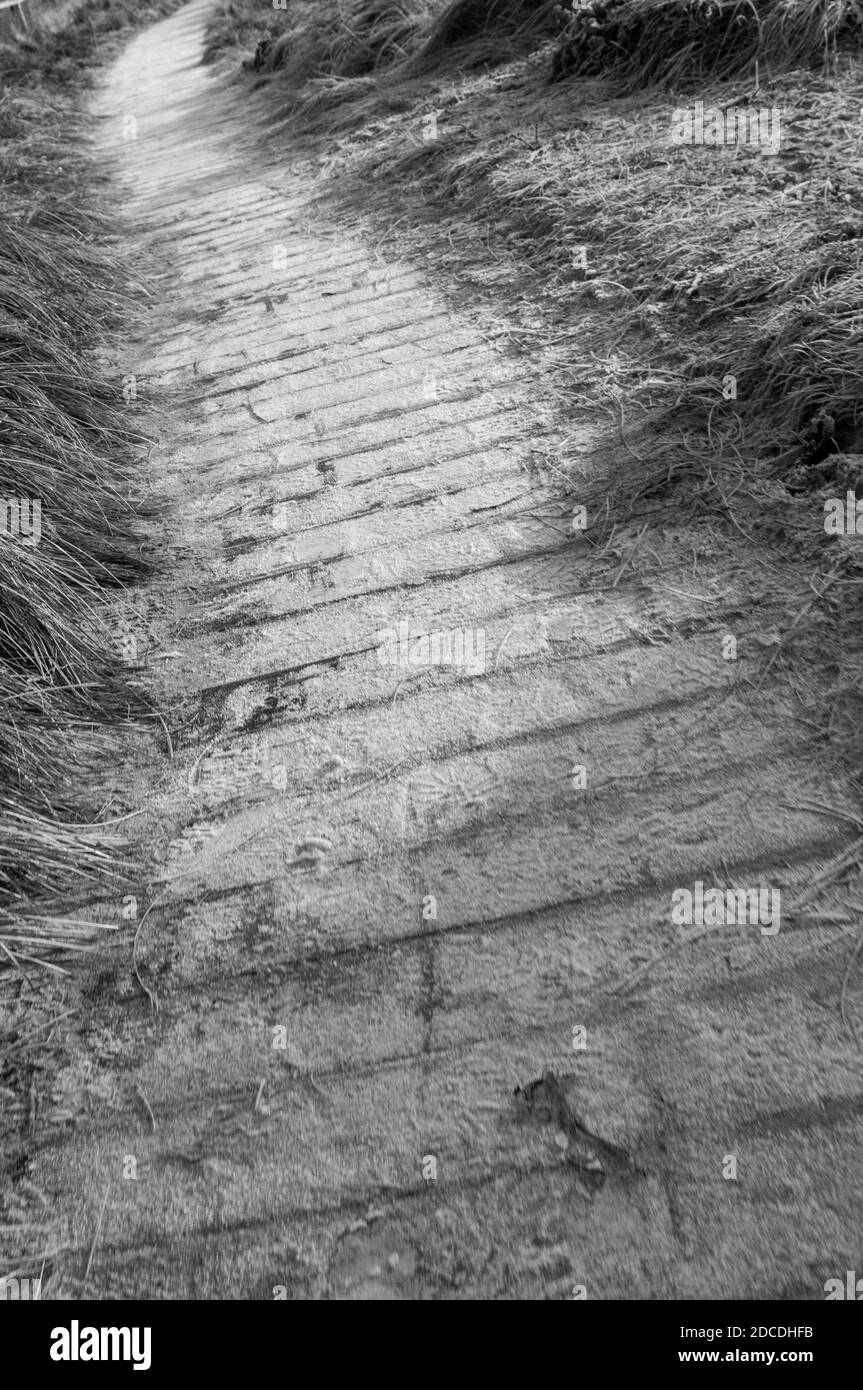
[384, 897]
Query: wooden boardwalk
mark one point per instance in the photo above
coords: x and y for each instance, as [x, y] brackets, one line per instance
[385, 898]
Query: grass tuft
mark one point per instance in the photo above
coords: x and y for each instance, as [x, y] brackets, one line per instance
[482, 33]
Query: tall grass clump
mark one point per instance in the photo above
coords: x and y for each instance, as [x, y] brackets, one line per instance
[312, 41]
[641, 42]
[66, 472]
[321, 39]
[322, 55]
[479, 33]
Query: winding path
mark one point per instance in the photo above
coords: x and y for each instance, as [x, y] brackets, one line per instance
[384, 898]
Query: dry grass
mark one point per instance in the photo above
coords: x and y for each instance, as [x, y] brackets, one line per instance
[66, 440]
[316, 46]
[63, 51]
[315, 39]
[643, 42]
[478, 33]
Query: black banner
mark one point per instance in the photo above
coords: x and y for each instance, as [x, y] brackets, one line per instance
[157, 1339]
